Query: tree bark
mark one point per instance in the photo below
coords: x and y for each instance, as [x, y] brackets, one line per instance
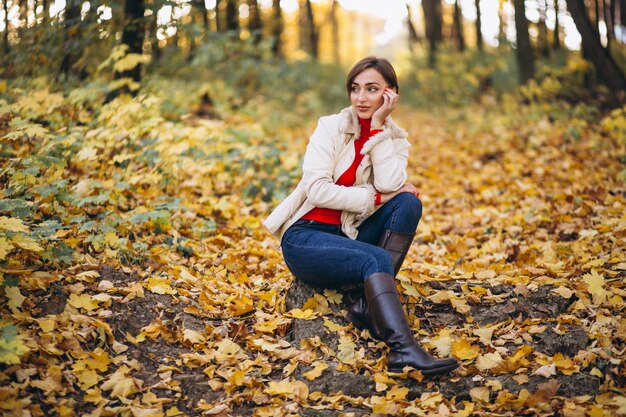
[153, 29]
[312, 31]
[255, 23]
[525, 59]
[608, 21]
[606, 67]
[544, 49]
[556, 39]
[277, 28]
[479, 32]
[413, 35]
[335, 29]
[72, 32]
[219, 22]
[232, 15]
[432, 17]
[5, 34]
[458, 27]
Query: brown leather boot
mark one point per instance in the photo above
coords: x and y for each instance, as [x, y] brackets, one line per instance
[386, 311]
[397, 244]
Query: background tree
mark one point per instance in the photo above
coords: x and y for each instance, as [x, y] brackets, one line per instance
[457, 27]
[232, 15]
[71, 36]
[556, 39]
[434, 25]
[479, 32]
[524, 52]
[5, 34]
[604, 64]
[277, 28]
[255, 22]
[414, 37]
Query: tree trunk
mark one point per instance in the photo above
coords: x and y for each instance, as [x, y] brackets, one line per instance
[458, 27]
[5, 34]
[255, 24]
[312, 31]
[622, 14]
[544, 49]
[606, 67]
[277, 28]
[556, 40]
[219, 22]
[525, 60]
[608, 21]
[232, 15]
[432, 17]
[335, 29]
[200, 8]
[479, 32]
[71, 29]
[154, 41]
[501, 24]
[46, 12]
[413, 35]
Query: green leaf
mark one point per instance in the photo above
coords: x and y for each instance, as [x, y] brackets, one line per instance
[11, 345]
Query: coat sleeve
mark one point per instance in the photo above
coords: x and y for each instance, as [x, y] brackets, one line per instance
[389, 159]
[321, 190]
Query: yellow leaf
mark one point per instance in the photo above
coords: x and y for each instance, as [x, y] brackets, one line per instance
[315, 372]
[47, 324]
[99, 360]
[83, 301]
[595, 284]
[397, 393]
[333, 296]
[332, 326]
[485, 334]
[284, 387]
[228, 347]
[15, 298]
[120, 384]
[546, 371]
[88, 276]
[443, 343]
[87, 153]
[488, 361]
[296, 313]
[460, 305]
[5, 248]
[87, 379]
[480, 394]
[192, 336]
[160, 285]
[385, 407]
[26, 243]
[464, 350]
[12, 224]
[11, 350]
[563, 292]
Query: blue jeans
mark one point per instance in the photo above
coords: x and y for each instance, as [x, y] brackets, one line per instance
[320, 253]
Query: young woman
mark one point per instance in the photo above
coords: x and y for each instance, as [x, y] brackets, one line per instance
[352, 217]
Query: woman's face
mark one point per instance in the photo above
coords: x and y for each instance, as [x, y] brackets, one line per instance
[366, 93]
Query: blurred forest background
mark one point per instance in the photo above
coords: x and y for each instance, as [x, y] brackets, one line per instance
[236, 51]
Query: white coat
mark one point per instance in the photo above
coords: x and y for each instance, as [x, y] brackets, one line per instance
[329, 154]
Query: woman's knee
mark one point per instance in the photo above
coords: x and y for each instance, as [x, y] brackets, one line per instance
[378, 260]
[410, 205]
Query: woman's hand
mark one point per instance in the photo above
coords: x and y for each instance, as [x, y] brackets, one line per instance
[390, 101]
[406, 188]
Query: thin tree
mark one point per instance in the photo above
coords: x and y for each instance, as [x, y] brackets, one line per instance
[525, 60]
[219, 22]
[556, 39]
[71, 36]
[255, 23]
[458, 27]
[433, 18]
[542, 40]
[334, 23]
[312, 30]
[608, 21]
[232, 15]
[479, 32]
[605, 66]
[153, 28]
[5, 34]
[277, 28]
[413, 35]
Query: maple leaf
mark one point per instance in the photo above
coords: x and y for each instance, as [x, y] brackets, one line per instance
[595, 283]
[464, 350]
[11, 345]
[316, 372]
[489, 361]
[120, 384]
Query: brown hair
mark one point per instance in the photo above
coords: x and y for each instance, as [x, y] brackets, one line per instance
[379, 64]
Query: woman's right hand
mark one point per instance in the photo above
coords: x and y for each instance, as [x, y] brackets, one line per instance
[406, 188]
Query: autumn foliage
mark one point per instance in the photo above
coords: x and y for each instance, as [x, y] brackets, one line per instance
[137, 279]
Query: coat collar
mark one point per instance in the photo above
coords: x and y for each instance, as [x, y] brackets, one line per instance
[349, 125]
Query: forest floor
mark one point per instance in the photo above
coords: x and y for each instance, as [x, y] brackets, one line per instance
[139, 280]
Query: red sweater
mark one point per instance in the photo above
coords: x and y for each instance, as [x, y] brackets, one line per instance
[347, 179]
